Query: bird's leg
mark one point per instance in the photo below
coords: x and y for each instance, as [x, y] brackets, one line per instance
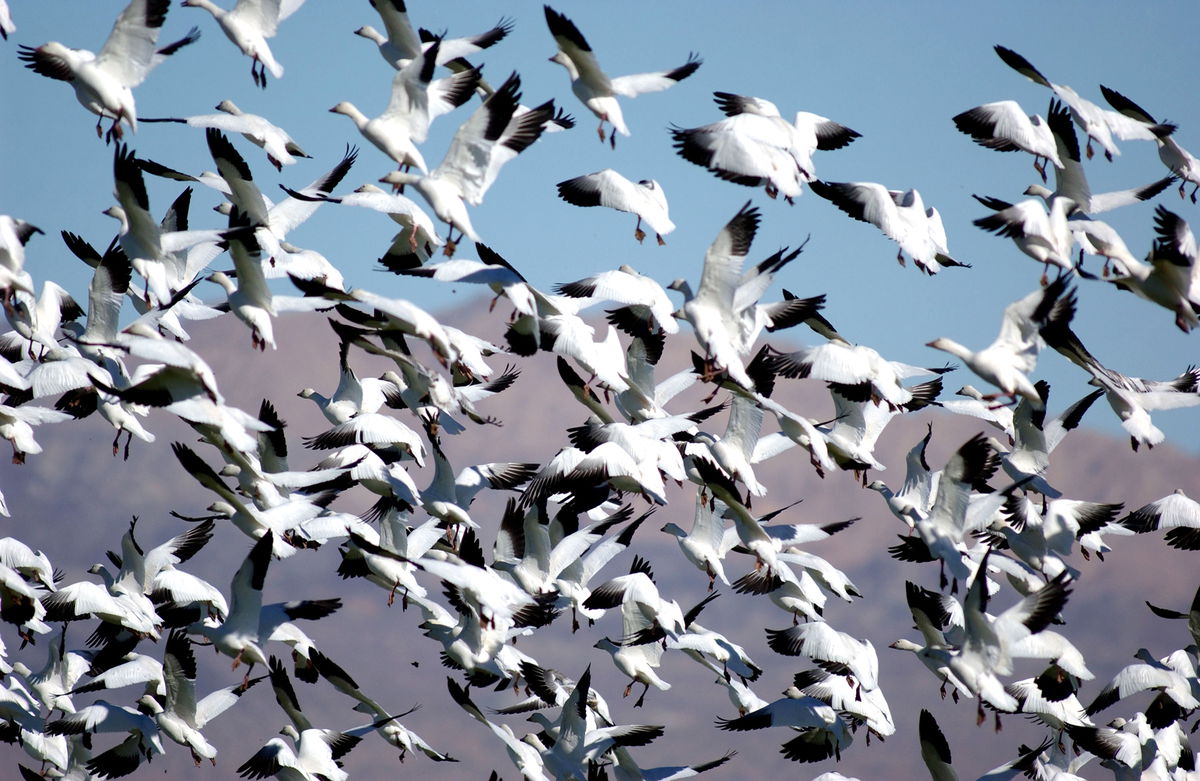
[772, 191]
[942, 690]
[660, 240]
[114, 132]
[612, 138]
[900, 258]
[116, 443]
[19, 457]
[600, 130]
[980, 717]
[451, 244]
[278, 165]
[997, 719]
[392, 593]
[100, 134]
[638, 233]
[1039, 165]
[642, 699]
[1194, 189]
[128, 442]
[574, 620]
[628, 689]
[1089, 148]
[1045, 273]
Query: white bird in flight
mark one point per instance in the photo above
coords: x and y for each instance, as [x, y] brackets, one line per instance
[594, 87]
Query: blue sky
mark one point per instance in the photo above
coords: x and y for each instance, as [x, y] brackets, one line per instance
[894, 72]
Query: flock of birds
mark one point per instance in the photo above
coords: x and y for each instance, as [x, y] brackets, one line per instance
[988, 519]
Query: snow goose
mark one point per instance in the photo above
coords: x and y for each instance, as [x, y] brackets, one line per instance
[1043, 236]
[413, 245]
[1035, 438]
[935, 749]
[402, 43]
[388, 560]
[625, 768]
[155, 573]
[142, 743]
[1004, 126]
[829, 648]
[373, 429]
[1099, 124]
[398, 314]
[1007, 362]
[120, 603]
[280, 148]
[645, 199]
[856, 371]
[1176, 512]
[6, 22]
[491, 269]
[104, 82]
[523, 755]
[572, 584]
[794, 429]
[1056, 710]
[724, 311]
[248, 25]
[755, 146]
[1180, 161]
[34, 567]
[943, 530]
[857, 424]
[705, 545]
[249, 298]
[238, 635]
[843, 694]
[823, 733]
[1132, 398]
[180, 716]
[416, 100]
[156, 253]
[578, 744]
[901, 215]
[272, 222]
[1167, 279]
[16, 426]
[493, 135]
[1174, 681]
[912, 502]
[315, 756]
[628, 287]
[1071, 181]
[991, 639]
[596, 89]
[14, 235]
